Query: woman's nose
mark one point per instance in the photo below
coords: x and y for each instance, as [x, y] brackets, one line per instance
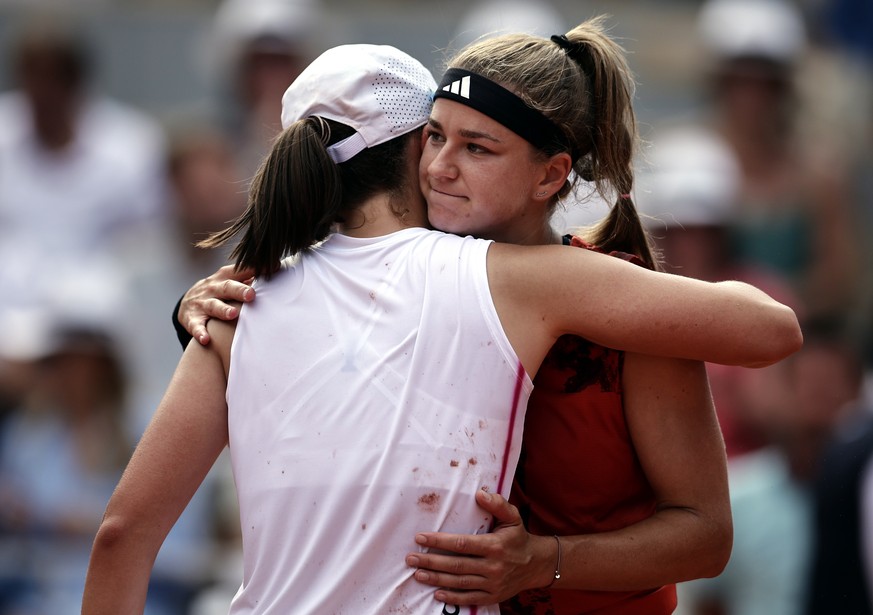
[442, 165]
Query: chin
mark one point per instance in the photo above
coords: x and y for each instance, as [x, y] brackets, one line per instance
[449, 221]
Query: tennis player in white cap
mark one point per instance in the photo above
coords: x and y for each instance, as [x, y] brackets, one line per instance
[381, 377]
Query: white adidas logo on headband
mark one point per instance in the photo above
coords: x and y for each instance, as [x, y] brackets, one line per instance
[461, 87]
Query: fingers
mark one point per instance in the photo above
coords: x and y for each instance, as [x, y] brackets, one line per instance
[217, 308]
[231, 290]
[230, 272]
[462, 598]
[504, 513]
[200, 333]
[213, 297]
[464, 544]
[470, 569]
[451, 565]
[462, 589]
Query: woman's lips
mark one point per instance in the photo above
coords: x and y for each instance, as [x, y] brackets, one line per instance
[446, 194]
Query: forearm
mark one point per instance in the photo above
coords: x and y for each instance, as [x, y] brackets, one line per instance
[630, 308]
[759, 330]
[673, 545]
[118, 572]
[177, 450]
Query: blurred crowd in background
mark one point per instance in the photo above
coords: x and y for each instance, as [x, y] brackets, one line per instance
[129, 130]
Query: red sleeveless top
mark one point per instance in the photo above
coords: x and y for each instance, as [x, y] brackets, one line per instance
[579, 472]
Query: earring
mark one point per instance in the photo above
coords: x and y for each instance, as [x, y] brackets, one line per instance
[543, 193]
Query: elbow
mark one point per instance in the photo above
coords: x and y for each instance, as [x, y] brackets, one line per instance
[721, 552]
[781, 339]
[114, 530]
[718, 548]
[790, 335]
[120, 534]
[708, 550]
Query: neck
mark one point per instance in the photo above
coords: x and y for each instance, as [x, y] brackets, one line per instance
[384, 214]
[540, 236]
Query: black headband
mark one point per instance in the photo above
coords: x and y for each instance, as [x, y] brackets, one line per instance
[502, 106]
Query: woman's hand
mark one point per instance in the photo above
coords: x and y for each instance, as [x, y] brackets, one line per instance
[485, 568]
[211, 297]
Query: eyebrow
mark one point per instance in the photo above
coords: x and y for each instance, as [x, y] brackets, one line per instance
[467, 134]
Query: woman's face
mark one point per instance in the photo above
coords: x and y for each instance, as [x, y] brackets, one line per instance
[480, 178]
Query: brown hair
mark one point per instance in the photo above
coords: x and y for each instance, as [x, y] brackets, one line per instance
[299, 193]
[588, 94]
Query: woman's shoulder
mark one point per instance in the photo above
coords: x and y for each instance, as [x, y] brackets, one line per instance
[578, 242]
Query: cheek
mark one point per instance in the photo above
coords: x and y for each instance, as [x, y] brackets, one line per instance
[429, 152]
[503, 196]
[423, 164]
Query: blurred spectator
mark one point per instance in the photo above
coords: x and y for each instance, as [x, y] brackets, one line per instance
[62, 450]
[794, 216]
[205, 192]
[842, 564]
[686, 191]
[259, 47]
[486, 18]
[77, 169]
[86, 213]
[61, 453]
[800, 401]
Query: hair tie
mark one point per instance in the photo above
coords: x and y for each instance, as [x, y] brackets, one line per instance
[578, 51]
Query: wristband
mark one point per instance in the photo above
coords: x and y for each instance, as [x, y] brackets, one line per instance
[557, 563]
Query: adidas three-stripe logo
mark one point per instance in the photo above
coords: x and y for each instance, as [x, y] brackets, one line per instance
[461, 87]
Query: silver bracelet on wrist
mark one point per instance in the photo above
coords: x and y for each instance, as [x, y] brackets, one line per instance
[557, 563]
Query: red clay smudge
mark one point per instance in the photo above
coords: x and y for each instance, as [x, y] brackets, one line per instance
[429, 501]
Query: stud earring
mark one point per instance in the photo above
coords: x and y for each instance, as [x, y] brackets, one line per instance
[543, 193]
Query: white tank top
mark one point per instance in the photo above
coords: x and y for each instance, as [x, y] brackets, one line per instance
[372, 392]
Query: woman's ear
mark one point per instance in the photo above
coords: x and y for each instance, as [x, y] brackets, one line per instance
[556, 169]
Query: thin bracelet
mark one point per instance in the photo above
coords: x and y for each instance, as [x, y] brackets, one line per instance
[557, 563]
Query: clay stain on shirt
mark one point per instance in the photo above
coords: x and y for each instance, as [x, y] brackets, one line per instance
[429, 501]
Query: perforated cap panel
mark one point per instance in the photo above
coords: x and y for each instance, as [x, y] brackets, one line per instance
[377, 90]
[403, 106]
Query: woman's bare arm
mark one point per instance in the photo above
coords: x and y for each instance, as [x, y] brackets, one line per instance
[546, 291]
[182, 442]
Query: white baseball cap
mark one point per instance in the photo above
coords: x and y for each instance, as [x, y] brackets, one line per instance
[377, 90]
[487, 18]
[692, 179]
[278, 26]
[772, 29]
[240, 21]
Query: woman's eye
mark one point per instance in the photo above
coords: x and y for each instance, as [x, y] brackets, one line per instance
[434, 136]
